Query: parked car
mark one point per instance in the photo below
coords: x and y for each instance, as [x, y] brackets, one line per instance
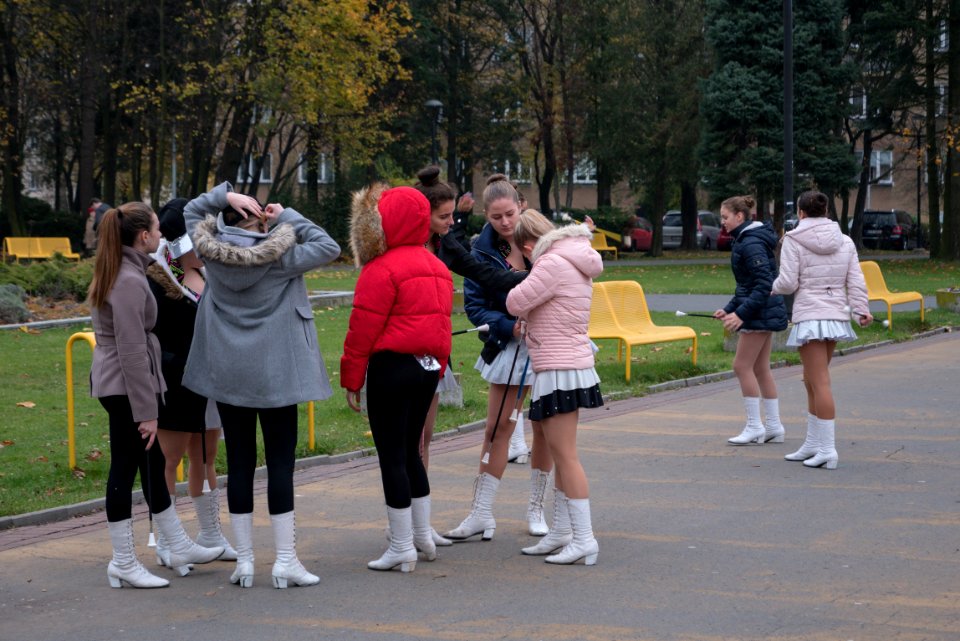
[790, 222]
[642, 235]
[892, 229]
[724, 240]
[708, 228]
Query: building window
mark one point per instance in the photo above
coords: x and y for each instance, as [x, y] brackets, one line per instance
[324, 170]
[881, 167]
[585, 173]
[941, 107]
[943, 37]
[517, 172]
[245, 171]
[858, 103]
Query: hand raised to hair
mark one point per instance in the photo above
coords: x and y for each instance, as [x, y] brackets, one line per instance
[245, 205]
[466, 203]
[272, 211]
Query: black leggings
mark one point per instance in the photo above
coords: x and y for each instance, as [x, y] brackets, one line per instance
[128, 454]
[279, 427]
[399, 394]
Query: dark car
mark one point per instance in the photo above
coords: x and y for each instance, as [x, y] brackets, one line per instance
[892, 229]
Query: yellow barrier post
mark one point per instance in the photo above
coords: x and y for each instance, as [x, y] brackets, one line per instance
[71, 445]
[311, 436]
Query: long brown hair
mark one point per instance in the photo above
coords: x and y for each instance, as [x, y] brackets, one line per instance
[118, 229]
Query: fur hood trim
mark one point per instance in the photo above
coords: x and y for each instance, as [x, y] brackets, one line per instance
[269, 250]
[171, 288]
[548, 239]
[367, 238]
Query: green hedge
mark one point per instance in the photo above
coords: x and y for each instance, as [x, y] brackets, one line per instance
[57, 278]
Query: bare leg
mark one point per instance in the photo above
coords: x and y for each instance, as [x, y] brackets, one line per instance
[501, 443]
[540, 458]
[816, 357]
[198, 471]
[561, 436]
[750, 347]
[427, 434]
[174, 446]
[761, 368]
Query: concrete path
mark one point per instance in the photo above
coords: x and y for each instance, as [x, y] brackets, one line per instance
[700, 541]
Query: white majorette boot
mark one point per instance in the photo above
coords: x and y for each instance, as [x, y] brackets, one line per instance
[401, 552]
[183, 551]
[536, 524]
[125, 567]
[810, 444]
[518, 452]
[211, 533]
[753, 431]
[480, 520]
[584, 545]
[826, 455]
[243, 536]
[773, 428]
[287, 568]
[423, 533]
[560, 533]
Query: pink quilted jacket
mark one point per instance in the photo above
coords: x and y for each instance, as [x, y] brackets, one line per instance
[555, 299]
[821, 265]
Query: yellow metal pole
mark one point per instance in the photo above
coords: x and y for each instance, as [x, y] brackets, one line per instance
[311, 435]
[71, 443]
[180, 470]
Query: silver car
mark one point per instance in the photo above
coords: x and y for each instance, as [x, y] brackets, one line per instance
[708, 228]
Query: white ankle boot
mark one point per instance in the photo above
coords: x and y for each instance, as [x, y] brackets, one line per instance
[423, 534]
[401, 552]
[207, 507]
[774, 431]
[243, 536]
[826, 455]
[584, 545]
[536, 523]
[125, 567]
[754, 431]
[287, 568]
[810, 444]
[480, 520]
[518, 452]
[183, 551]
[560, 533]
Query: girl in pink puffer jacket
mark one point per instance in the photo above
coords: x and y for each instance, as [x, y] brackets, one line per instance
[820, 264]
[555, 302]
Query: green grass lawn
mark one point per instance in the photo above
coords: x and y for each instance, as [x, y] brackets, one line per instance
[34, 472]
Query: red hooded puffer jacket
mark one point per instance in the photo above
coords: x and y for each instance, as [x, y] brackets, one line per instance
[404, 296]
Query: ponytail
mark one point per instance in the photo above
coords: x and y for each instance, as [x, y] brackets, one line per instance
[117, 229]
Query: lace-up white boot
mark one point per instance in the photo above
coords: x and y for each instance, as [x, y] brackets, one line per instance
[287, 568]
[536, 523]
[183, 551]
[207, 507]
[774, 431]
[401, 552]
[584, 546]
[243, 536]
[826, 455]
[810, 444]
[560, 533]
[518, 452]
[754, 431]
[480, 520]
[125, 567]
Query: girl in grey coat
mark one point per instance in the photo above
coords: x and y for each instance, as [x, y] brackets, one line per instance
[255, 352]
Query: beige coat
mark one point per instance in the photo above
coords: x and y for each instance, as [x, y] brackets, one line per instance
[126, 361]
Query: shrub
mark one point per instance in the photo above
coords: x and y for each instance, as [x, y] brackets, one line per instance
[57, 278]
[41, 220]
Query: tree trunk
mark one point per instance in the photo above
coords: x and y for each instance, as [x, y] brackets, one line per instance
[11, 136]
[932, 150]
[604, 185]
[950, 238]
[688, 214]
[235, 143]
[856, 230]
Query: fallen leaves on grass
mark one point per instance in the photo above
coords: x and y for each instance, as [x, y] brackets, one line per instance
[41, 459]
[28, 330]
[705, 334]
[6, 443]
[78, 473]
[94, 455]
[27, 404]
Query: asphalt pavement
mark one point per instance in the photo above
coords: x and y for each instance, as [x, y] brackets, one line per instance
[699, 540]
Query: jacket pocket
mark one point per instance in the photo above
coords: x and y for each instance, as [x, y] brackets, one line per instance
[305, 312]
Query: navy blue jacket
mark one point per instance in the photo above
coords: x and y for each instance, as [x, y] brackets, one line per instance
[489, 306]
[755, 269]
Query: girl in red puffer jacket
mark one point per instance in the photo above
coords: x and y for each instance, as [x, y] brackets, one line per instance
[399, 340]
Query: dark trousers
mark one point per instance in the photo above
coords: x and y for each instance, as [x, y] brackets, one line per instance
[399, 394]
[128, 455]
[279, 427]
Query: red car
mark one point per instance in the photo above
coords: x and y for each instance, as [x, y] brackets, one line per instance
[642, 235]
[724, 239]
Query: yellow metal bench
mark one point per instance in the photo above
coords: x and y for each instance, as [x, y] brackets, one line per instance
[599, 243]
[619, 311]
[21, 247]
[877, 290]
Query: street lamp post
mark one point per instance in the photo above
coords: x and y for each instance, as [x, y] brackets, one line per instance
[434, 106]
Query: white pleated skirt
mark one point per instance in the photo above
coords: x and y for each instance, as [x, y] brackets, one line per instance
[498, 372]
[821, 330]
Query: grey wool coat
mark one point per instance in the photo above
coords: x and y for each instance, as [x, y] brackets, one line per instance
[255, 344]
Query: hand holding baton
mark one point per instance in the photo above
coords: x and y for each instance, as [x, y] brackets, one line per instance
[479, 328]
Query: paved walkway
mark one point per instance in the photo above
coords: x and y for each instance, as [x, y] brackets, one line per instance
[699, 540]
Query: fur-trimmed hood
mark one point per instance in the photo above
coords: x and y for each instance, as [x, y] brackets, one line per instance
[383, 218]
[171, 288]
[572, 242]
[257, 259]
